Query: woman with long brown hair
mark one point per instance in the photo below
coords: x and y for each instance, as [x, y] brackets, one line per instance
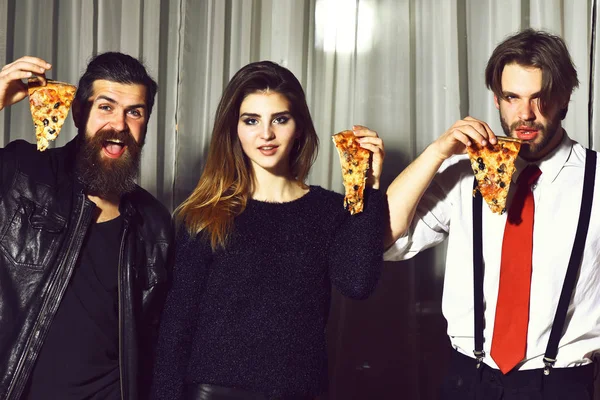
[258, 251]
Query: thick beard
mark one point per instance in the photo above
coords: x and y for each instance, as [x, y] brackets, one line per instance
[533, 150]
[105, 177]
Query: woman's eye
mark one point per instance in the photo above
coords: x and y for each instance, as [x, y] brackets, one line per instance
[104, 107]
[281, 120]
[251, 121]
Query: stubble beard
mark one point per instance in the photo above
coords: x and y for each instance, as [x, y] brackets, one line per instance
[105, 177]
[536, 149]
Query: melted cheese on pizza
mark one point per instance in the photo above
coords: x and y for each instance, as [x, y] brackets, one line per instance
[354, 161]
[494, 166]
[49, 107]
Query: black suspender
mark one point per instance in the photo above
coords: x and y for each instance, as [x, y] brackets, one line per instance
[478, 275]
[570, 277]
[574, 261]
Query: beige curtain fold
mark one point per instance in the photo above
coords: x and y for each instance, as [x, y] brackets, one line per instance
[407, 68]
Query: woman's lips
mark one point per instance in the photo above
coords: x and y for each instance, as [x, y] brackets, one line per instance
[268, 150]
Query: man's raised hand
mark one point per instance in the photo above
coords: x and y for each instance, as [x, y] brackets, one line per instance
[12, 87]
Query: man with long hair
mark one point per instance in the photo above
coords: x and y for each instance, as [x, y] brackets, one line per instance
[521, 295]
[83, 250]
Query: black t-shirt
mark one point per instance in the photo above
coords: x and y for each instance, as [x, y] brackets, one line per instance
[80, 356]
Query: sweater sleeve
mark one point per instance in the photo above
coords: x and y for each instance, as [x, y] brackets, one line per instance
[178, 323]
[356, 252]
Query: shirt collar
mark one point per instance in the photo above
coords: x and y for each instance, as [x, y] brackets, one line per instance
[549, 165]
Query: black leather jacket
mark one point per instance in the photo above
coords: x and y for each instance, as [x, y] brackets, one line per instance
[44, 215]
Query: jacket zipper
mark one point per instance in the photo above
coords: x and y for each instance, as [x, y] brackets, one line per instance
[120, 300]
[51, 292]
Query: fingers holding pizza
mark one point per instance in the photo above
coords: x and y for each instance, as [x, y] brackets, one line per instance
[492, 158]
[49, 101]
[361, 158]
[461, 135]
[12, 87]
[369, 140]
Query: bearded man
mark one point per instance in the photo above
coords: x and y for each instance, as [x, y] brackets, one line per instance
[521, 293]
[84, 251]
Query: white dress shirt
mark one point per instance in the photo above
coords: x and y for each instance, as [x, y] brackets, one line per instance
[445, 211]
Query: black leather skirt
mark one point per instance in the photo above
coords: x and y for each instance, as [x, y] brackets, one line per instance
[212, 392]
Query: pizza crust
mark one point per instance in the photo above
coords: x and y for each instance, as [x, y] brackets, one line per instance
[354, 161]
[49, 106]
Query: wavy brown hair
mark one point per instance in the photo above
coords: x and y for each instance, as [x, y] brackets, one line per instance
[539, 49]
[227, 179]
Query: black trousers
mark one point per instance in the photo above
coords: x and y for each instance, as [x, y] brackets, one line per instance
[466, 382]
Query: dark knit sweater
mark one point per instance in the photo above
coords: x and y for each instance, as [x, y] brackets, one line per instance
[253, 316]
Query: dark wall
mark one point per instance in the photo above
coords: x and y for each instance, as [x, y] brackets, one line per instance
[393, 345]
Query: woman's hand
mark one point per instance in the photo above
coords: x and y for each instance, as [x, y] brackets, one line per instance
[369, 140]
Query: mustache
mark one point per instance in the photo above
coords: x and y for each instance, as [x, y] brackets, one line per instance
[526, 124]
[102, 176]
[111, 134]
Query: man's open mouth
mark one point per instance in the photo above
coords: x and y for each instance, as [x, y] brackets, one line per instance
[113, 148]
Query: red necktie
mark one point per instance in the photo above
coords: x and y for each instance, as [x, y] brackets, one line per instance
[512, 310]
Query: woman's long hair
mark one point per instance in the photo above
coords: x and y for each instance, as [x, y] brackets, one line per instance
[227, 179]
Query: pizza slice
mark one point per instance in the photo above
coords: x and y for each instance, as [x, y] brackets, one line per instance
[354, 161]
[49, 106]
[494, 166]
